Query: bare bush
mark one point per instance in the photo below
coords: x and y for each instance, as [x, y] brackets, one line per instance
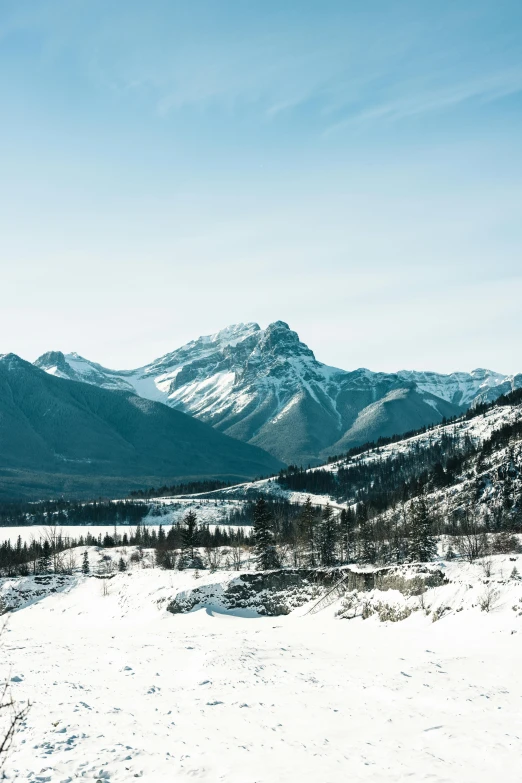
[106, 565]
[489, 599]
[70, 562]
[214, 558]
[439, 612]
[408, 587]
[387, 612]
[11, 716]
[349, 606]
[472, 544]
[487, 566]
[236, 553]
[53, 536]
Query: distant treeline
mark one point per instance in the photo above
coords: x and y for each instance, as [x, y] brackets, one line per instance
[383, 483]
[46, 555]
[187, 488]
[65, 512]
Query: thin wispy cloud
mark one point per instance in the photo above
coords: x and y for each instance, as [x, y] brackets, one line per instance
[419, 101]
[168, 147]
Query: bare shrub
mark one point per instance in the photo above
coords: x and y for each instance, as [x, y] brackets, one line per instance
[472, 544]
[70, 562]
[236, 557]
[408, 587]
[393, 614]
[487, 566]
[386, 612]
[214, 558]
[439, 612]
[135, 558]
[489, 599]
[348, 608]
[11, 716]
[106, 565]
[367, 610]
[53, 536]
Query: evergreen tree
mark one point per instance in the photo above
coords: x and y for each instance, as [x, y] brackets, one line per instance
[346, 531]
[367, 548]
[328, 534]
[398, 541]
[306, 527]
[44, 564]
[122, 565]
[85, 563]
[161, 537]
[264, 542]
[422, 546]
[190, 535]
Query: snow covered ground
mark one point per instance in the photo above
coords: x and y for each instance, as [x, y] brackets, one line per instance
[121, 688]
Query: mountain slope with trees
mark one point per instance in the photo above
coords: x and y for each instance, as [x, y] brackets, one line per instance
[62, 437]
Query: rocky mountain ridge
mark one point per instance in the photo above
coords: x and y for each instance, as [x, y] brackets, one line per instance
[265, 387]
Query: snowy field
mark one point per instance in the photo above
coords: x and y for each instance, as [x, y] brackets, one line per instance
[120, 689]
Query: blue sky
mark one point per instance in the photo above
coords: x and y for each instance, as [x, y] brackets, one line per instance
[352, 168]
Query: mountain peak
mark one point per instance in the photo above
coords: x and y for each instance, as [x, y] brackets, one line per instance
[278, 325]
[278, 338]
[264, 386]
[50, 357]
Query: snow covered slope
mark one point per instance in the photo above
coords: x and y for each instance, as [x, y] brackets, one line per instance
[488, 481]
[265, 387]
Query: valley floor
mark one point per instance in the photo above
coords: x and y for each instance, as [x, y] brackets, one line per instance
[122, 689]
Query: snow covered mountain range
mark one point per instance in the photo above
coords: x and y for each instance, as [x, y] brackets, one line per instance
[265, 387]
